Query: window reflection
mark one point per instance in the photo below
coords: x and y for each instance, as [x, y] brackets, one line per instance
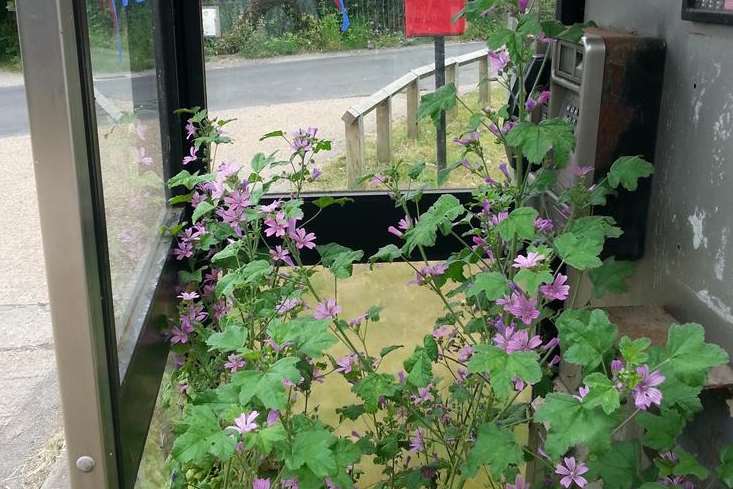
[126, 101]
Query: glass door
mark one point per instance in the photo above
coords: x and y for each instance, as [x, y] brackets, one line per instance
[103, 84]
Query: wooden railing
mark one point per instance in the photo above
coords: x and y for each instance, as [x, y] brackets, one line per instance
[381, 101]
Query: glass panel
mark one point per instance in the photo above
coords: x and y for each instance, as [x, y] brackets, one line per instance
[311, 76]
[125, 90]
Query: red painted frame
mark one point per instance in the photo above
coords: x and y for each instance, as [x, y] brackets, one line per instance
[426, 18]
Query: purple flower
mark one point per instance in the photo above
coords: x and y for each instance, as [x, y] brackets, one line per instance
[423, 395]
[571, 472]
[645, 393]
[303, 239]
[405, 223]
[556, 290]
[197, 198]
[499, 217]
[281, 254]
[461, 375]
[581, 171]
[346, 363]
[286, 305]
[519, 384]
[273, 416]
[444, 331]
[523, 4]
[188, 296]
[521, 307]
[245, 422]
[435, 270]
[505, 170]
[417, 441]
[190, 130]
[519, 483]
[616, 365]
[544, 97]
[530, 261]
[303, 139]
[498, 59]
[232, 217]
[277, 225]
[289, 484]
[512, 341]
[191, 156]
[221, 308]
[327, 309]
[583, 391]
[356, 322]
[178, 336]
[261, 484]
[183, 250]
[238, 200]
[395, 231]
[272, 207]
[555, 361]
[315, 173]
[551, 344]
[330, 484]
[677, 481]
[465, 353]
[468, 138]
[530, 104]
[234, 363]
[544, 225]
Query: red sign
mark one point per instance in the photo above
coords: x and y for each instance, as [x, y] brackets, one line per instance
[425, 18]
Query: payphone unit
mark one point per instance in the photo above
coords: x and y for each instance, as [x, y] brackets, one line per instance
[609, 86]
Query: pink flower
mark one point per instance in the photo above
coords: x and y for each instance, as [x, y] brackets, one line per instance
[286, 305]
[261, 484]
[423, 395]
[645, 393]
[190, 130]
[544, 225]
[289, 484]
[281, 254]
[245, 422]
[572, 473]
[519, 483]
[276, 225]
[191, 156]
[557, 290]
[327, 309]
[523, 4]
[405, 223]
[435, 270]
[178, 336]
[581, 171]
[188, 296]
[272, 417]
[530, 261]
[582, 392]
[520, 307]
[512, 341]
[234, 363]
[498, 59]
[395, 231]
[465, 353]
[444, 331]
[303, 239]
[544, 97]
[346, 363]
[417, 441]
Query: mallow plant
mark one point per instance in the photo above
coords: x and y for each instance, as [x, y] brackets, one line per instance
[478, 401]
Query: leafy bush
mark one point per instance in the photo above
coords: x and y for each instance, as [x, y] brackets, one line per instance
[254, 335]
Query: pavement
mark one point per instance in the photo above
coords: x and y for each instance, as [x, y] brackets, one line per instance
[263, 95]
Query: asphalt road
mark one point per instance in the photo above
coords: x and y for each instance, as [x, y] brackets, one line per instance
[265, 82]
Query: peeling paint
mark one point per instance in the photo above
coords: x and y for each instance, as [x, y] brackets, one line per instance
[716, 305]
[719, 267]
[723, 127]
[696, 221]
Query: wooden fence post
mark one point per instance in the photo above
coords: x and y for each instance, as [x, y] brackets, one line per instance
[413, 100]
[484, 87]
[354, 150]
[451, 76]
[384, 131]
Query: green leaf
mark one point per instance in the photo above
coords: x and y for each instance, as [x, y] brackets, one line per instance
[504, 367]
[389, 349]
[432, 104]
[492, 284]
[617, 467]
[603, 393]
[725, 471]
[374, 386]
[310, 336]
[272, 134]
[387, 253]
[661, 432]
[266, 437]
[439, 216]
[529, 280]
[585, 337]
[339, 259]
[634, 351]
[627, 170]
[202, 436]
[228, 255]
[201, 210]
[578, 253]
[185, 179]
[328, 201]
[420, 372]
[267, 386]
[571, 423]
[233, 338]
[686, 465]
[496, 448]
[611, 277]
[536, 140]
[520, 224]
[312, 448]
[688, 355]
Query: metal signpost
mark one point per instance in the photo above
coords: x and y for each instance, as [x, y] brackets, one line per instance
[437, 19]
